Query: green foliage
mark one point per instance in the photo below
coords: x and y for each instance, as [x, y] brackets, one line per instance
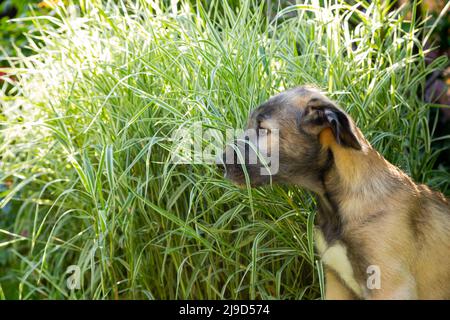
[12, 32]
[86, 143]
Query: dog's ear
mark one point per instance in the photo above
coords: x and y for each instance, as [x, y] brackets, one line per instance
[320, 114]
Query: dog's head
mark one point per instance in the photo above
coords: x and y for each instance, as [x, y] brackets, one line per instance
[293, 130]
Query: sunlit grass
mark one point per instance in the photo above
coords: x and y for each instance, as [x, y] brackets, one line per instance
[86, 144]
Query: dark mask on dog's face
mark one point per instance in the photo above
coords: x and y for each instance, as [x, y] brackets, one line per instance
[281, 142]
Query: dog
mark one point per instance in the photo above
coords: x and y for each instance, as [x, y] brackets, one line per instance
[372, 221]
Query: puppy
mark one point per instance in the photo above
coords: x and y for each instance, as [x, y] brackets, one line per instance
[379, 234]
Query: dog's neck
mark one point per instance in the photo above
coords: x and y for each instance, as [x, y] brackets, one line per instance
[352, 183]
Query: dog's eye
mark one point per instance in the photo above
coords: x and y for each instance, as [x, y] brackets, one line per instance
[258, 125]
[262, 131]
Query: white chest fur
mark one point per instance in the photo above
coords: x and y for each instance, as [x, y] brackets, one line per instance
[336, 258]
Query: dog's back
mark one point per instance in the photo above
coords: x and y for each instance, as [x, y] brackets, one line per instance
[433, 245]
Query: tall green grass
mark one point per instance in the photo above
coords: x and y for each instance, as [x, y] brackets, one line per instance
[86, 138]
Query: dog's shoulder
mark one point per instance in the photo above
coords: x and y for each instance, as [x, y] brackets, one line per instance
[435, 199]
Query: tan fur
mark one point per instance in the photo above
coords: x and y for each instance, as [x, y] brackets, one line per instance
[410, 269]
[335, 289]
[370, 211]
